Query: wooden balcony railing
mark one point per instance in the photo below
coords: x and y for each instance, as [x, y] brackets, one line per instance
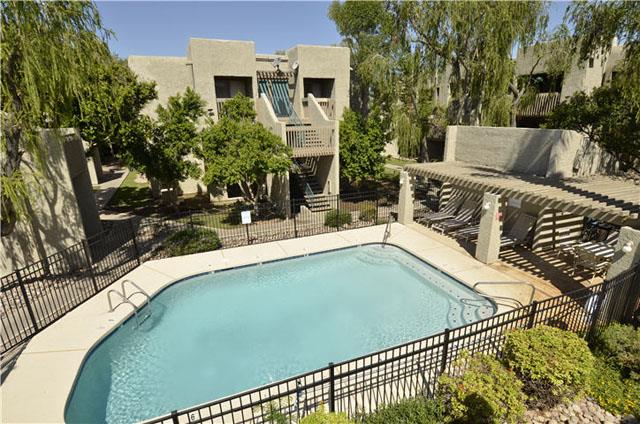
[543, 104]
[308, 140]
[328, 105]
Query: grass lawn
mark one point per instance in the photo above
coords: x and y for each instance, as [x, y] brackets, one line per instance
[212, 219]
[399, 161]
[131, 195]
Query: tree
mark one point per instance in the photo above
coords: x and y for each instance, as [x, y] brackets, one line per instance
[474, 40]
[49, 51]
[361, 147]
[607, 117]
[112, 105]
[237, 150]
[163, 150]
[596, 24]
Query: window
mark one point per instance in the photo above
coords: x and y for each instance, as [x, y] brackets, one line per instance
[319, 87]
[227, 87]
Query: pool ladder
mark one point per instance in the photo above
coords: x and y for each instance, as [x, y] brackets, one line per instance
[124, 299]
[387, 230]
[505, 298]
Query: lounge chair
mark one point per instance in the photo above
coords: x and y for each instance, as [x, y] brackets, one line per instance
[448, 211]
[467, 214]
[468, 233]
[608, 243]
[519, 232]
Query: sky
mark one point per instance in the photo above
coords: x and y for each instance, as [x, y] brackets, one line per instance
[163, 28]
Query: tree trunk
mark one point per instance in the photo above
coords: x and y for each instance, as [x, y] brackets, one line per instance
[11, 165]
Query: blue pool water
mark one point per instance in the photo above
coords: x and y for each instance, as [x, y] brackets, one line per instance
[217, 334]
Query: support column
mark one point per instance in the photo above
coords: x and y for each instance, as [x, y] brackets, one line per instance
[405, 201]
[629, 240]
[488, 247]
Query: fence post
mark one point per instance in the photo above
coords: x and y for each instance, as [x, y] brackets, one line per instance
[377, 201]
[445, 351]
[338, 209]
[174, 416]
[191, 220]
[246, 226]
[26, 301]
[532, 314]
[596, 311]
[87, 254]
[295, 226]
[135, 242]
[332, 388]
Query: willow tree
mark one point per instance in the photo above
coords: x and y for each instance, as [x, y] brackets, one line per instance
[475, 41]
[49, 50]
[596, 24]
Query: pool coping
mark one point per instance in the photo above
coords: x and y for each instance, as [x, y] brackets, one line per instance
[52, 354]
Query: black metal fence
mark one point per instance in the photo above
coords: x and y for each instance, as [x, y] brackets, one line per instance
[37, 295]
[359, 385]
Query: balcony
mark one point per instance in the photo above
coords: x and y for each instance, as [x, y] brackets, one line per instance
[542, 106]
[306, 140]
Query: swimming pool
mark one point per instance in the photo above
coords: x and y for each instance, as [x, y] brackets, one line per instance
[220, 333]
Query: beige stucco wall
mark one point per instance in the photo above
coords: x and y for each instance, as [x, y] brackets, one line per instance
[56, 220]
[322, 62]
[171, 74]
[534, 151]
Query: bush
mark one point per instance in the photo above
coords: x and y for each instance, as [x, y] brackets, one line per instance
[337, 218]
[322, 417]
[553, 364]
[619, 345]
[615, 394]
[418, 410]
[486, 392]
[367, 214]
[192, 240]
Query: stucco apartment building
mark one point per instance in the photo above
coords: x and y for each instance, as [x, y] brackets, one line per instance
[552, 90]
[299, 96]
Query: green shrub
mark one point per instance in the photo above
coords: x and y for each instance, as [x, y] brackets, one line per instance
[418, 410]
[337, 218]
[322, 417]
[553, 364]
[619, 345]
[612, 392]
[367, 214]
[485, 392]
[192, 240]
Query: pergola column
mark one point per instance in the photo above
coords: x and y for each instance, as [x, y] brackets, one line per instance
[405, 200]
[488, 246]
[629, 239]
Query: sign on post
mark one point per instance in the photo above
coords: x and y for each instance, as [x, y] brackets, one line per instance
[246, 217]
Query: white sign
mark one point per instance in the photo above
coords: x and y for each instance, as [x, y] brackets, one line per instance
[246, 217]
[514, 203]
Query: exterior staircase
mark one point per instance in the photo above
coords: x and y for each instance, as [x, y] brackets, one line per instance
[305, 179]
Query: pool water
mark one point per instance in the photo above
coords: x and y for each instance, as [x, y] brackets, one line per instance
[217, 334]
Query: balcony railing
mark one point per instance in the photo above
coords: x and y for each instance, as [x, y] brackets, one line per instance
[310, 140]
[328, 105]
[220, 102]
[543, 104]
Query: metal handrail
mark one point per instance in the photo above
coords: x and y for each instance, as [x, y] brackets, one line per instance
[124, 300]
[139, 291]
[497, 283]
[387, 230]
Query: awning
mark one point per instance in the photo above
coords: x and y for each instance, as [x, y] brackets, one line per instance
[605, 198]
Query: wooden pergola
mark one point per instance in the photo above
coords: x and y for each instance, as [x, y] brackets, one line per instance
[616, 201]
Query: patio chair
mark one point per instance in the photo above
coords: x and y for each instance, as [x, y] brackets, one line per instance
[519, 232]
[448, 211]
[468, 233]
[467, 215]
[591, 261]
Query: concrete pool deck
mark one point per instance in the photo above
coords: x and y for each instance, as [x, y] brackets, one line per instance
[37, 387]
